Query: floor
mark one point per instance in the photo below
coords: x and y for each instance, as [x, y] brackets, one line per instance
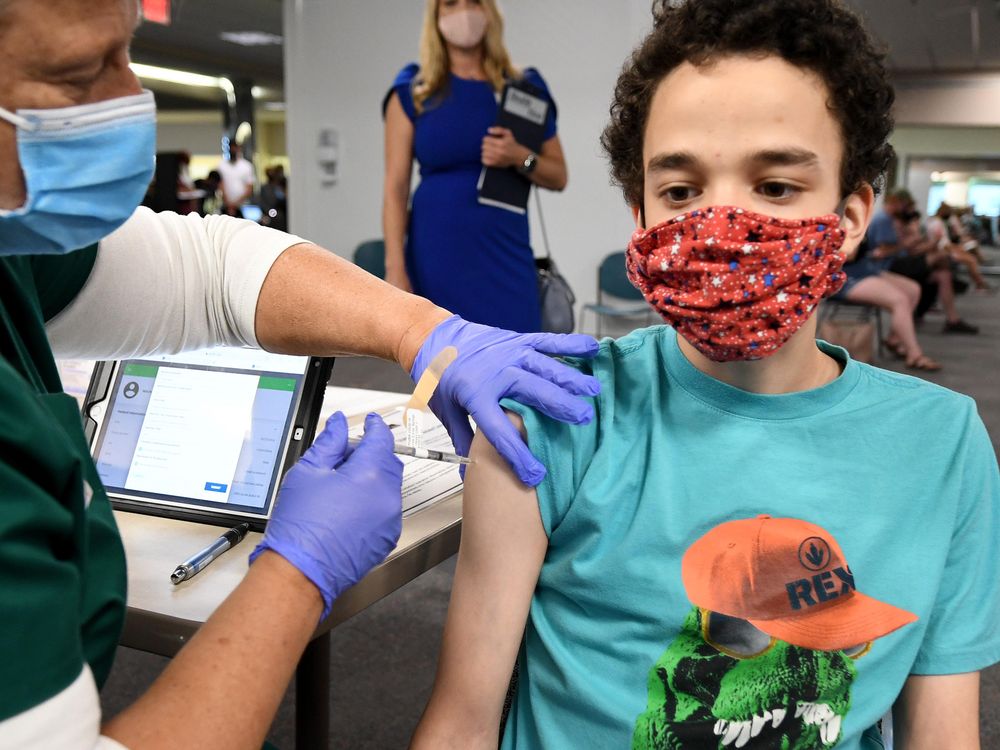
[384, 659]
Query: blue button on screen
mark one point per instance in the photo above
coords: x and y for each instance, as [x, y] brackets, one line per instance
[215, 487]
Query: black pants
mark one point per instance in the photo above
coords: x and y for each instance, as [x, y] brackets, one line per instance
[916, 267]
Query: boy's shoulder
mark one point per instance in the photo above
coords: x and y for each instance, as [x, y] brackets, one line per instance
[643, 346]
[630, 358]
[876, 383]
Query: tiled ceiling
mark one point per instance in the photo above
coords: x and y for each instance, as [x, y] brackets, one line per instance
[937, 35]
[924, 36]
[191, 42]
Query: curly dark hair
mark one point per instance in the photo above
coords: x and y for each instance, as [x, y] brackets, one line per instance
[822, 36]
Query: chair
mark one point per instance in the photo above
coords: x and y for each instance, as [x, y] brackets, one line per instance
[863, 313]
[886, 727]
[612, 281]
[370, 255]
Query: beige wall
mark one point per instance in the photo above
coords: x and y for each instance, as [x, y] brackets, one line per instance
[954, 100]
[913, 140]
[200, 133]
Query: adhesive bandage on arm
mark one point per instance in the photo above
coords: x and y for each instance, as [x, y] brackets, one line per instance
[414, 411]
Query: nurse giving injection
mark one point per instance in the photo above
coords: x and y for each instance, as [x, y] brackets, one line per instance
[85, 273]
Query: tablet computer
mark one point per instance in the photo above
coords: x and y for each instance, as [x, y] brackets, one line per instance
[204, 435]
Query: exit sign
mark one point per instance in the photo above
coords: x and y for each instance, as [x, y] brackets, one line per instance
[157, 11]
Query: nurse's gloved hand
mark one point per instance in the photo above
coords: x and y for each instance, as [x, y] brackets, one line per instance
[494, 364]
[339, 511]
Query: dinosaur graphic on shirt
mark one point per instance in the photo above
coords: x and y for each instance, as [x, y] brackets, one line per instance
[732, 676]
[786, 698]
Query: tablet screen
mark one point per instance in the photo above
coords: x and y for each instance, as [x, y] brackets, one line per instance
[205, 429]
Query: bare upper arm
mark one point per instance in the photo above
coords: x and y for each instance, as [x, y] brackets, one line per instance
[398, 146]
[935, 711]
[503, 545]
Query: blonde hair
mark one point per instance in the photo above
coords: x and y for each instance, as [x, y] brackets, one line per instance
[435, 66]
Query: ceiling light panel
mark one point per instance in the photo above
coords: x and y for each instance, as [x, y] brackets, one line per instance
[251, 38]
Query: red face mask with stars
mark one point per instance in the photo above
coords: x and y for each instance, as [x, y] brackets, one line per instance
[737, 284]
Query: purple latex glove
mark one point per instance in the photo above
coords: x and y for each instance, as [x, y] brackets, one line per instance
[339, 511]
[494, 364]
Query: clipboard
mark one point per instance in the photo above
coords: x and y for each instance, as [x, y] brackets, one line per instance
[205, 435]
[524, 110]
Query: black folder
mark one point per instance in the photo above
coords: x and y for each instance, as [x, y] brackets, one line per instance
[524, 110]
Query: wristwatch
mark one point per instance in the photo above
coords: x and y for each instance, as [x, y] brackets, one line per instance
[530, 162]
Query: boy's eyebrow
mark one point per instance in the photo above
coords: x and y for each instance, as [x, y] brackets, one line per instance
[780, 157]
[677, 160]
[784, 157]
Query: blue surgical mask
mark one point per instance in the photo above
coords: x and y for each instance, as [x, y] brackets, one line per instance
[86, 169]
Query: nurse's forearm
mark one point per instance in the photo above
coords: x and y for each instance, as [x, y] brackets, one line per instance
[224, 687]
[313, 302]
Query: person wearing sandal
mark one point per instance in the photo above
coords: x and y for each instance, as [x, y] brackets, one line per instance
[896, 233]
[920, 362]
[952, 244]
[869, 283]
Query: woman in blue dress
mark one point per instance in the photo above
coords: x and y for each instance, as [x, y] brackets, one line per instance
[473, 259]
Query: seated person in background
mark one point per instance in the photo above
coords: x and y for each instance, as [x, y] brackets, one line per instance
[869, 281]
[210, 204]
[893, 269]
[923, 268]
[274, 198]
[896, 233]
[970, 229]
[948, 236]
[919, 258]
[742, 549]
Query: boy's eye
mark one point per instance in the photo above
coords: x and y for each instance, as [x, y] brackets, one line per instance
[679, 193]
[778, 190]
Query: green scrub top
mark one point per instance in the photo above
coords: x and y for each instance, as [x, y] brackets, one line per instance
[62, 565]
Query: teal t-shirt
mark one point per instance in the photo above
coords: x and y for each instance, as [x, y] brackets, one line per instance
[897, 472]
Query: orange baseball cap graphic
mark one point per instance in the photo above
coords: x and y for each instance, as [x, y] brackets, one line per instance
[789, 579]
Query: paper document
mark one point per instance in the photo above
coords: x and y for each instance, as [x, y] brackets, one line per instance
[424, 482]
[356, 402]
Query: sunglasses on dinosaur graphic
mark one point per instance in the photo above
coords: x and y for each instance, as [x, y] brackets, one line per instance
[742, 640]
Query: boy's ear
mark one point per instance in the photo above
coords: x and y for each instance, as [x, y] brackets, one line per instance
[638, 215]
[858, 208]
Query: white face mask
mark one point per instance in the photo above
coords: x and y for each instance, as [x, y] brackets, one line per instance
[464, 28]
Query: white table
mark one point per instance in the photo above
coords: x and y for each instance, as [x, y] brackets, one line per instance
[162, 617]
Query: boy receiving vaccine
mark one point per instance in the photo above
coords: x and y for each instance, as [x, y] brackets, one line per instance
[758, 542]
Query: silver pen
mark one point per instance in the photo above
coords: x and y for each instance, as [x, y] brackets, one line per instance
[192, 566]
[428, 453]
